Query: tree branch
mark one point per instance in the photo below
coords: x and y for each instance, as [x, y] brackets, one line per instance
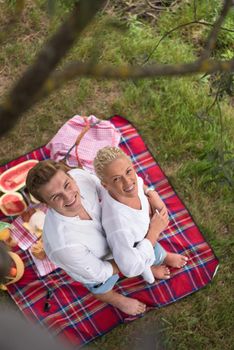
[39, 81]
[212, 38]
[77, 69]
[24, 93]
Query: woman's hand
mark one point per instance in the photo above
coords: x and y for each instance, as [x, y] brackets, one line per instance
[155, 202]
[164, 213]
[158, 223]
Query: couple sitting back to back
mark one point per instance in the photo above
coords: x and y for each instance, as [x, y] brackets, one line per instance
[98, 226]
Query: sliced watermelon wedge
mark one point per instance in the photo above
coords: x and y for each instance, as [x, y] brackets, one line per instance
[12, 204]
[14, 178]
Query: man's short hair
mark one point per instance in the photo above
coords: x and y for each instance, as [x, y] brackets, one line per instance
[41, 174]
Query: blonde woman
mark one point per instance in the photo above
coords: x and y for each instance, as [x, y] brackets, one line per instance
[131, 234]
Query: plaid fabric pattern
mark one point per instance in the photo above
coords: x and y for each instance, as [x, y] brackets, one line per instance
[44, 266]
[74, 313]
[24, 238]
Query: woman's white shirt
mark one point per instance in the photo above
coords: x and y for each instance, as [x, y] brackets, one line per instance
[125, 230]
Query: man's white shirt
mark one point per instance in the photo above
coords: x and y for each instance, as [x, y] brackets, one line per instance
[79, 246]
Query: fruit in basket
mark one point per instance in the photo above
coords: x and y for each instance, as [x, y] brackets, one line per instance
[15, 270]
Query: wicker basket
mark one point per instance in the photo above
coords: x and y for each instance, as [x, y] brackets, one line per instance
[19, 270]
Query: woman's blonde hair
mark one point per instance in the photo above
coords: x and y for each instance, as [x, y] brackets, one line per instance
[104, 157]
[40, 174]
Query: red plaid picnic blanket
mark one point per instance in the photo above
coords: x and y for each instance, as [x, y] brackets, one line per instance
[74, 314]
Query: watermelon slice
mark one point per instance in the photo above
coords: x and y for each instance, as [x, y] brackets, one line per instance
[12, 203]
[14, 178]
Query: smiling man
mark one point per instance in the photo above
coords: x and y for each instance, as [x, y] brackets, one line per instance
[73, 236]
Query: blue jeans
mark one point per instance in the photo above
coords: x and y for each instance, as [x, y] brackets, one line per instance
[103, 287]
[160, 254]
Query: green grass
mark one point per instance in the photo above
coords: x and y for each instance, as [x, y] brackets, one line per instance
[166, 112]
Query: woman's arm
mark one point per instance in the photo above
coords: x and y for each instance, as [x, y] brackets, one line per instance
[153, 198]
[158, 223]
[158, 214]
[156, 203]
[131, 258]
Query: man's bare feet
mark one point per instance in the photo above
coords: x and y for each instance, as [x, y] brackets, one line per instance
[127, 305]
[175, 260]
[160, 272]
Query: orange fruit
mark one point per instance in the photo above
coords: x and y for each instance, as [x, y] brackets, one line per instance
[4, 234]
[13, 271]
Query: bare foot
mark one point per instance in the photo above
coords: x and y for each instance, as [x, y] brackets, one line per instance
[130, 306]
[175, 260]
[160, 272]
[127, 305]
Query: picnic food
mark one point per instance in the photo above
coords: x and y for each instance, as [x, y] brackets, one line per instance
[5, 234]
[14, 178]
[38, 250]
[12, 204]
[4, 231]
[34, 223]
[13, 271]
[26, 215]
